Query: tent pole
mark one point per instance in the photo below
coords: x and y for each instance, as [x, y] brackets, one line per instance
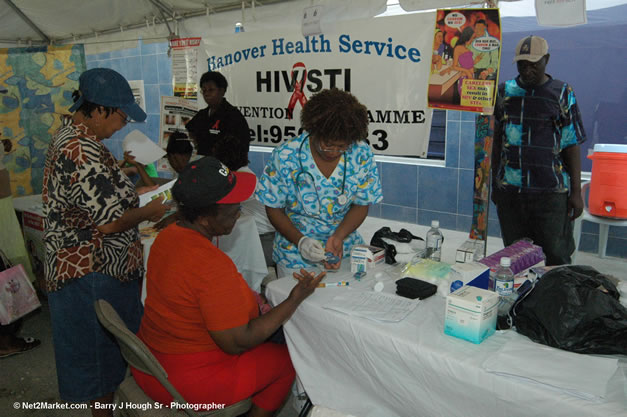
[28, 21]
[158, 5]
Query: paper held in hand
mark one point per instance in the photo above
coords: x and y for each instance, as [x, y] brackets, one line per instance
[165, 190]
[142, 148]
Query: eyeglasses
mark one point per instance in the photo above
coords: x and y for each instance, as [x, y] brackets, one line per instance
[332, 149]
[125, 119]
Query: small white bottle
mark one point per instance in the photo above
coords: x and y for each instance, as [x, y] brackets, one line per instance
[504, 285]
[434, 241]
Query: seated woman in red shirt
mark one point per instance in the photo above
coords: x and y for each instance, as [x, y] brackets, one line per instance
[201, 320]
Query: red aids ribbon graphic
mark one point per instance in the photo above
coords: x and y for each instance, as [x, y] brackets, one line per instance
[297, 95]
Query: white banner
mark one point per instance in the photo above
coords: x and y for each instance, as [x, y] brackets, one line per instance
[384, 62]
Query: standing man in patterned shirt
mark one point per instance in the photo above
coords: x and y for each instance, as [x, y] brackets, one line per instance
[536, 157]
[93, 250]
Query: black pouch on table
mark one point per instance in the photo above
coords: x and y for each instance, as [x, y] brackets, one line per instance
[415, 288]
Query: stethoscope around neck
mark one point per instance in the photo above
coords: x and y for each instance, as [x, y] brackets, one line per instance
[341, 199]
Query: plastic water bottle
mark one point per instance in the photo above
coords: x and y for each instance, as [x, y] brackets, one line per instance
[504, 286]
[434, 242]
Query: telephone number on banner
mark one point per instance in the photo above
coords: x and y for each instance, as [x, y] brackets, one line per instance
[277, 134]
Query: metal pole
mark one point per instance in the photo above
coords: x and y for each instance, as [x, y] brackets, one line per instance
[28, 21]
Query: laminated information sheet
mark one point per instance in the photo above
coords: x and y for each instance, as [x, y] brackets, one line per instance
[164, 190]
[375, 306]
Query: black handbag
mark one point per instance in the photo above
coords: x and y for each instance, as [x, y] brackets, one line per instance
[403, 236]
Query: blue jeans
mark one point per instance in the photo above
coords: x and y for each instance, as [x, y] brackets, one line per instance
[88, 359]
[542, 217]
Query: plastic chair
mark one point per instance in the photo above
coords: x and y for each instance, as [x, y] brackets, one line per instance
[603, 222]
[137, 354]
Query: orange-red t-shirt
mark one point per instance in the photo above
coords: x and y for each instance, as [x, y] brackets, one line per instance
[192, 287]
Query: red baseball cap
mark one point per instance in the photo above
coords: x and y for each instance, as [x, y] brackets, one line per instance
[208, 181]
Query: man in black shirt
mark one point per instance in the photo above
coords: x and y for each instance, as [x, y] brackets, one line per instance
[219, 121]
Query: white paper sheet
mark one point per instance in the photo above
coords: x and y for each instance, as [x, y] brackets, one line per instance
[371, 305]
[561, 13]
[163, 190]
[554, 368]
[142, 148]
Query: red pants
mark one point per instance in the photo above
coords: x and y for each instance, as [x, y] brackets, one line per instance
[264, 373]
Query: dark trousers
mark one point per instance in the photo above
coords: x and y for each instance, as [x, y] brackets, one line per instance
[540, 217]
[10, 329]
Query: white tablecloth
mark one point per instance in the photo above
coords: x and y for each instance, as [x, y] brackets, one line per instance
[243, 247]
[411, 368]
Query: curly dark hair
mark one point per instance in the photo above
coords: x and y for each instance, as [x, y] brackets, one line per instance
[335, 116]
[179, 143]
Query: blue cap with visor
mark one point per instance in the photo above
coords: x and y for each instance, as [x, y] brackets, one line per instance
[107, 87]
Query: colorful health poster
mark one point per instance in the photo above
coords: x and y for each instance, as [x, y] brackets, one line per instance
[465, 60]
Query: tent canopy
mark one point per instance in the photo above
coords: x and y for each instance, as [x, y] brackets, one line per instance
[24, 22]
[45, 21]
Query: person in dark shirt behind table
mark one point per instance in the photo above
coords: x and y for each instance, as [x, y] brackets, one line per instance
[536, 173]
[217, 119]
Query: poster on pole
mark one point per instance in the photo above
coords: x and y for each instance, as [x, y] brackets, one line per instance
[384, 62]
[184, 66]
[484, 136]
[175, 113]
[465, 60]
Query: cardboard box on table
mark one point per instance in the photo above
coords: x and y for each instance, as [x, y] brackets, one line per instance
[471, 313]
[472, 273]
[468, 250]
[365, 258]
[522, 254]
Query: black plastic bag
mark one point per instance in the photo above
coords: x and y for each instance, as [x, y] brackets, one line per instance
[574, 308]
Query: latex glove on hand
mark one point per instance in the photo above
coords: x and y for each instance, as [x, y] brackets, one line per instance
[311, 249]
